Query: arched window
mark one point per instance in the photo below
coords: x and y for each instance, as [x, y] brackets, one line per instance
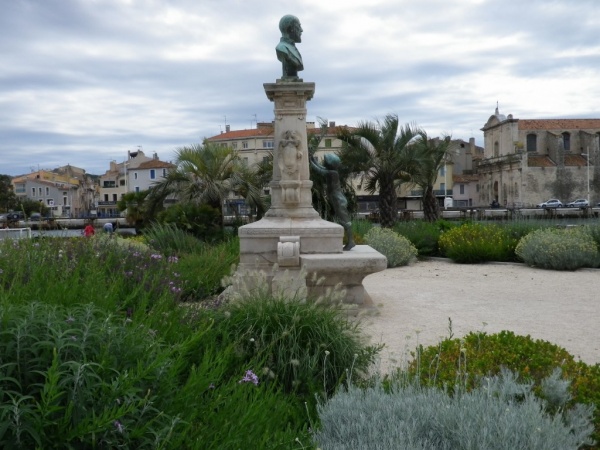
[532, 142]
[496, 149]
[567, 141]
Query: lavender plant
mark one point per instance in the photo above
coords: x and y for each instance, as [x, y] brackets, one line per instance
[500, 414]
[559, 249]
[398, 250]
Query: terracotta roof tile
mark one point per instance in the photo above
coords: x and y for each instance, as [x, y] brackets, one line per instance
[575, 160]
[558, 124]
[155, 164]
[540, 161]
[241, 134]
[465, 178]
[268, 132]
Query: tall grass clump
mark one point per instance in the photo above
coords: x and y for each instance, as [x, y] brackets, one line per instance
[398, 250]
[424, 235]
[304, 347]
[475, 242]
[77, 377]
[170, 240]
[110, 272]
[360, 227]
[559, 249]
[519, 228]
[501, 413]
[204, 269]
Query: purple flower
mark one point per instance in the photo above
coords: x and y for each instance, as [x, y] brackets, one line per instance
[119, 426]
[173, 259]
[250, 377]
[155, 256]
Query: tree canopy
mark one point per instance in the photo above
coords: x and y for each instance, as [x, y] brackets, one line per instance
[380, 153]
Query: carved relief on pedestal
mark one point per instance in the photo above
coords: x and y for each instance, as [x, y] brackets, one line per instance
[289, 159]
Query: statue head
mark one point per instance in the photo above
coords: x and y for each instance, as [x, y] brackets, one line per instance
[331, 161]
[290, 28]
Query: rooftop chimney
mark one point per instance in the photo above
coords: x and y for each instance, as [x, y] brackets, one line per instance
[227, 128]
[331, 124]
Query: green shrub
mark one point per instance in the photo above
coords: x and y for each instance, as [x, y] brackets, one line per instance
[559, 249]
[423, 235]
[474, 243]
[79, 378]
[462, 362]
[499, 414]
[202, 221]
[111, 272]
[305, 347]
[203, 270]
[594, 232]
[398, 250]
[169, 240]
[360, 227]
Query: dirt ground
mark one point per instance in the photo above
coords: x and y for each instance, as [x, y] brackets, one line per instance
[414, 304]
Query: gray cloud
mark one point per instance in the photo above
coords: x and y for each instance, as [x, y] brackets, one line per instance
[83, 82]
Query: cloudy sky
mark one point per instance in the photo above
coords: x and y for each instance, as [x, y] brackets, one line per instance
[84, 81]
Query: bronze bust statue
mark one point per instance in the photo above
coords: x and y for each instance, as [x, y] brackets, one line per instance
[287, 53]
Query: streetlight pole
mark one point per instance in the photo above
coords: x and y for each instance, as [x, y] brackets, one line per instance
[587, 155]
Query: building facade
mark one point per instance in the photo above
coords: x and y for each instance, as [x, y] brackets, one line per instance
[526, 162]
[255, 144]
[138, 173]
[67, 191]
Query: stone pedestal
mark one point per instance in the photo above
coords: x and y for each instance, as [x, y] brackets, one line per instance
[292, 241]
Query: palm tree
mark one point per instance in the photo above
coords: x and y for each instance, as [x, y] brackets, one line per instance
[207, 174]
[379, 152]
[431, 155]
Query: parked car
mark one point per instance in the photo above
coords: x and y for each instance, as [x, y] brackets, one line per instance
[35, 217]
[15, 216]
[579, 203]
[552, 203]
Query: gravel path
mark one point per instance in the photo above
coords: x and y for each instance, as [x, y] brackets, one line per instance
[414, 304]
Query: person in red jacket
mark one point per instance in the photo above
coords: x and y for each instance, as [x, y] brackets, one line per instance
[89, 230]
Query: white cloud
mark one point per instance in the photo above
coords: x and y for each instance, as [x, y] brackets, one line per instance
[83, 82]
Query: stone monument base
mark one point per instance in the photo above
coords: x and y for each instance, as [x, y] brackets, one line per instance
[303, 258]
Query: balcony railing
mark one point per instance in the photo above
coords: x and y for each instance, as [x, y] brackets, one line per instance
[436, 192]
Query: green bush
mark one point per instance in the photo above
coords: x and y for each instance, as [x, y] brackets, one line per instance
[559, 249]
[304, 347]
[462, 362]
[424, 235]
[202, 221]
[398, 250]
[499, 414]
[360, 227]
[79, 378]
[169, 240]
[203, 270]
[474, 243]
[111, 272]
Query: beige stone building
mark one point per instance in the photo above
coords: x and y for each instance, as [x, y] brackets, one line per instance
[67, 191]
[528, 161]
[257, 143]
[138, 173]
[456, 180]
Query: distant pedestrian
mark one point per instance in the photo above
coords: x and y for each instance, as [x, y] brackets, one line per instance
[89, 231]
[108, 227]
